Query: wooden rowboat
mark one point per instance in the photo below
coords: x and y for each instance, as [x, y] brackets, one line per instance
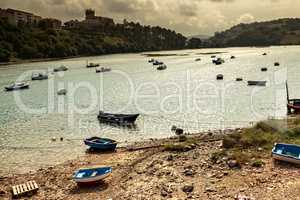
[120, 119]
[91, 175]
[103, 144]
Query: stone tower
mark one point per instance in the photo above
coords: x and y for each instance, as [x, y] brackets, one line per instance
[90, 14]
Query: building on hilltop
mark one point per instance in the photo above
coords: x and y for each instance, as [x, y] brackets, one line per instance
[91, 21]
[50, 23]
[17, 17]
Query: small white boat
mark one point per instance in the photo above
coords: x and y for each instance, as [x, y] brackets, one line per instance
[17, 86]
[91, 175]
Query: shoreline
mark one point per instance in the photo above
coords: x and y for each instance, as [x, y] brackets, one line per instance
[150, 170]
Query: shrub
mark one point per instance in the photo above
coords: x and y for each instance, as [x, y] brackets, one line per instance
[257, 163]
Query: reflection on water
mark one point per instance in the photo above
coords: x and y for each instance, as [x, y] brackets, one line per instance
[186, 95]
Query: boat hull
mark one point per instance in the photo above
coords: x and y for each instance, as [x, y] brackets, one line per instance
[257, 83]
[91, 175]
[285, 158]
[105, 145]
[117, 118]
[16, 88]
[287, 153]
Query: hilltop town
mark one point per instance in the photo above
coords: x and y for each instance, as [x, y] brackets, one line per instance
[25, 35]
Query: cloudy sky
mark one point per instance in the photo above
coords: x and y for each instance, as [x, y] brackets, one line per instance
[190, 17]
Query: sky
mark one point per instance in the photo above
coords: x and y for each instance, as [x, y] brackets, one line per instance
[189, 17]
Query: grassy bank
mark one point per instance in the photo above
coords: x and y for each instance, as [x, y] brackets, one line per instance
[251, 145]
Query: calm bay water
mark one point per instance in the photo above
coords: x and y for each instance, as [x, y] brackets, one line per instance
[186, 94]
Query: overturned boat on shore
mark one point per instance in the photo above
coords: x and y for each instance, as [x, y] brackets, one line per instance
[120, 119]
[101, 144]
[287, 153]
[17, 86]
[91, 175]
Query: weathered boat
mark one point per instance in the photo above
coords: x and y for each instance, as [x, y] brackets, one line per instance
[102, 144]
[102, 70]
[61, 69]
[39, 76]
[62, 92]
[92, 65]
[17, 86]
[286, 152]
[162, 67]
[120, 119]
[257, 83]
[220, 77]
[264, 69]
[91, 175]
[156, 62]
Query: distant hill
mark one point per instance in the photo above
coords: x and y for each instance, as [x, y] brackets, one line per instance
[276, 32]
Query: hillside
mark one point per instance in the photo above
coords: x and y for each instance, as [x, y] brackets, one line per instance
[24, 42]
[276, 32]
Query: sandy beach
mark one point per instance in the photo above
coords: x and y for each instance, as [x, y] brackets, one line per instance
[149, 170]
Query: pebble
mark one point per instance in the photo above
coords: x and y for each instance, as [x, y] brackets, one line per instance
[188, 188]
[233, 164]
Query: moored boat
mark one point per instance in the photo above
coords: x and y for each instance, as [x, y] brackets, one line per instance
[120, 119]
[91, 175]
[39, 76]
[286, 152]
[62, 92]
[102, 144]
[276, 64]
[17, 86]
[102, 70]
[61, 69]
[264, 69]
[92, 65]
[257, 83]
[198, 59]
[232, 57]
[239, 79]
[151, 60]
[218, 61]
[220, 77]
[156, 62]
[162, 67]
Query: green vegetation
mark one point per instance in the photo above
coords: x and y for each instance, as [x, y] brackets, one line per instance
[184, 144]
[276, 32]
[256, 142]
[24, 42]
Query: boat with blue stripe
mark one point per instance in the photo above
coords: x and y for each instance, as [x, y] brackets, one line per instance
[91, 175]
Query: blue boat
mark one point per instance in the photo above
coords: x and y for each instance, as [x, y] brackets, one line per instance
[286, 152]
[102, 144]
[91, 175]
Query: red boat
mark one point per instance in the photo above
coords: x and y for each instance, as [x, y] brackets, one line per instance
[293, 105]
